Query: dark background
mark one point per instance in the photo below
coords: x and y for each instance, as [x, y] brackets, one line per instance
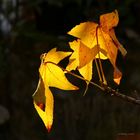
[29, 28]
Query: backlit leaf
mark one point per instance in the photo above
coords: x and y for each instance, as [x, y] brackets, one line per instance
[54, 76]
[109, 20]
[86, 71]
[82, 58]
[101, 36]
[85, 31]
[43, 103]
[51, 75]
[54, 56]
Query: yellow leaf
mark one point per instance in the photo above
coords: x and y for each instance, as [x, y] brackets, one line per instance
[74, 58]
[86, 71]
[82, 55]
[85, 31]
[43, 103]
[109, 20]
[54, 76]
[51, 75]
[112, 52]
[54, 56]
[108, 45]
[101, 36]
[82, 58]
[86, 54]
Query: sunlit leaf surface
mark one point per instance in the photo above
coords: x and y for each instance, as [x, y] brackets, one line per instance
[101, 36]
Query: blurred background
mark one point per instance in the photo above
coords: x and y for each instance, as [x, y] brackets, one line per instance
[29, 28]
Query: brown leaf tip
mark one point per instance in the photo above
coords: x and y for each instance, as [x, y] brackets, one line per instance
[49, 128]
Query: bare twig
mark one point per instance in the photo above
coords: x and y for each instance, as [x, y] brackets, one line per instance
[116, 93]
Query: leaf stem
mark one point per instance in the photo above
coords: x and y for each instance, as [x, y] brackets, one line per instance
[100, 63]
[98, 70]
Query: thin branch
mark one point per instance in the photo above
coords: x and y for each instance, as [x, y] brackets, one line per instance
[116, 93]
[103, 87]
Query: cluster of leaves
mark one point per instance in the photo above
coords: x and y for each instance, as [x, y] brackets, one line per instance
[94, 42]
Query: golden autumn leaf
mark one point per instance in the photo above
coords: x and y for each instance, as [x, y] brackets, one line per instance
[109, 20]
[43, 103]
[54, 56]
[86, 32]
[86, 71]
[80, 60]
[102, 35]
[55, 77]
[51, 75]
